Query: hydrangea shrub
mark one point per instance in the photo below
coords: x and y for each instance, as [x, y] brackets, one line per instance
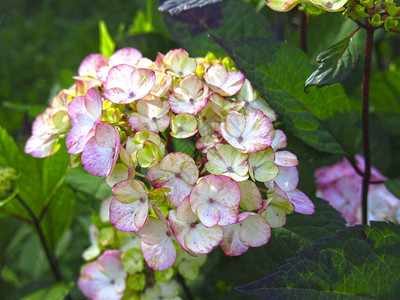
[119, 120]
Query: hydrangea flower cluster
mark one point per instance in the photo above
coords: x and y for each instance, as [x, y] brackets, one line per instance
[120, 120]
[120, 272]
[342, 187]
[325, 5]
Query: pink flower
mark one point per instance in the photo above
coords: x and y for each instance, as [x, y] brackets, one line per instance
[104, 279]
[84, 113]
[101, 151]
[341, 186]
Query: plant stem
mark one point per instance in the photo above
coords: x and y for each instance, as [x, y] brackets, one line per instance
[50, 256]
[304, 19]
[184, 286]
[365, 125]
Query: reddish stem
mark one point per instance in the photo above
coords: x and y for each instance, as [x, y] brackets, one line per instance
[365, 123]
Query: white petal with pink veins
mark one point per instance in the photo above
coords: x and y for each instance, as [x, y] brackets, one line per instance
[247, 133]
[160, 256]
[176, 171]
[128, 217]
[178, 63]
[254, 230]
[286, 159]
[231, 244]
[126, 84]
[302, 204]
[101, 151]
[215, 199]
[190, 96]
[104, 278]
[91, 64]
[84, 113]
[288, 178]
[223, 82]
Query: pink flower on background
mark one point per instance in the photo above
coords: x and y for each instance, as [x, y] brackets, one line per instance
[104, 279]
[341, 186]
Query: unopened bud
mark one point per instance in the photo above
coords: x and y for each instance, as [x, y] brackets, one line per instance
[383, 5]
[378, 9]
[7, 178]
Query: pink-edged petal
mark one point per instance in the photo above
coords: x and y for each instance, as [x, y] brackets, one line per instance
[84, 113]
[288, 178]
[216, 193]
[286, 159]
[128, 217]
[105, 278]
[129, 56]
[247, 133]
[223, 82]
[254, 230]
[190, 96]
[101, 151]
[142, 81]
[91, 64]
[179, 63]
[160, 256]
[302, 204]
[201, 239]
[153, 232]
[231, 243]
[251, 197]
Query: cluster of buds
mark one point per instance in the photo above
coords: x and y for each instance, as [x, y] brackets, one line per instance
[121, 119]
[342, 187]
[379, 13]
[120, 272]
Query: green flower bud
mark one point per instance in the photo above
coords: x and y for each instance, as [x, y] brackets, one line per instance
[376, 20]
[132, 261]
[390, 22]
[7, 178]
[228, 63]
[360, 10]
[165, 275]
[136, 282]
[392, 10]
[106, 236]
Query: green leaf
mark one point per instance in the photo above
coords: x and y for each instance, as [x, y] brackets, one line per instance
[107, 45]
[39, 181]
[9, 153]
[336, 63]
[220, 273]
[278, 70]
[57, 292]
[384, 91]
[360, 263]
[393, 185]
[82, 181]
[58, 216]
[231, 19]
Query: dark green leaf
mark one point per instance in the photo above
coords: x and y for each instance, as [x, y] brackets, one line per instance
[220, 273]
[176, 6]
[336, 63]
[393, 185]
[385, 91]
[278, 71]
[58, 216]
[57, 292]
[82, 181]
[231, 19]
[360, 263]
